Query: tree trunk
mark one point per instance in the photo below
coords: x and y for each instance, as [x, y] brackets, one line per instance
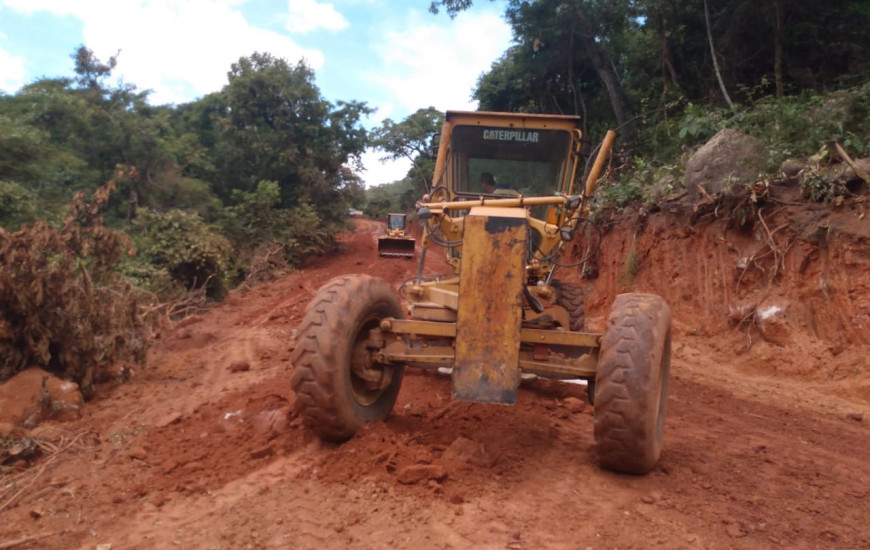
[132, 203]
[577, 96]
[777, 46]
[668, 71]
[715, 62]
[607, 76]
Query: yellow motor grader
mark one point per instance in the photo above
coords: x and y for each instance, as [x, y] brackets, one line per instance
[501, 315]
[396, 241]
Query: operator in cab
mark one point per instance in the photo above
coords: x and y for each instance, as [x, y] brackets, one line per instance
[490, 187]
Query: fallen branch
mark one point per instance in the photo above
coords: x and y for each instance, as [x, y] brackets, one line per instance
[705, 193]
[23, 540]
[858, 170]
[29, 476]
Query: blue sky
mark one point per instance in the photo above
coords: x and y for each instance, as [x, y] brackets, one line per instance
[394, 55]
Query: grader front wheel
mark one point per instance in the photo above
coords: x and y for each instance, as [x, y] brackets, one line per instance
[338, 387]
[631, 384]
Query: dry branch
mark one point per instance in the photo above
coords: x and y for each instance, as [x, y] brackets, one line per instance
[23, 540]
[15, 485]
[858, 170]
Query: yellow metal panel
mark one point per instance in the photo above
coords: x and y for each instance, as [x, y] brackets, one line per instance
[490, 305]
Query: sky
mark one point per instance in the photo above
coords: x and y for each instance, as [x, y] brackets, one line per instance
[391, 54]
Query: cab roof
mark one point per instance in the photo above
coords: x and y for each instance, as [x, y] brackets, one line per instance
[513, 120]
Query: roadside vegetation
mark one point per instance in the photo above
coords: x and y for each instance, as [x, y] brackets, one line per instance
[117, 215]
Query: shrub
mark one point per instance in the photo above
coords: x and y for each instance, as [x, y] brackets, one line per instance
[17, 205]
[180, 244]
[256, 222]
[63, 305]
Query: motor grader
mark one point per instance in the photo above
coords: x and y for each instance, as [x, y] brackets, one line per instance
[396, 241]
[501, 315]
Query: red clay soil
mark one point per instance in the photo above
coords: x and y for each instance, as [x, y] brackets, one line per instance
[766, 440]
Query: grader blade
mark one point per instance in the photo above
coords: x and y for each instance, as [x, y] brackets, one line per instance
[490, 306]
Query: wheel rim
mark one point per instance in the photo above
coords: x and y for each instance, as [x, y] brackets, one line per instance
[663, 385]
[366, 391]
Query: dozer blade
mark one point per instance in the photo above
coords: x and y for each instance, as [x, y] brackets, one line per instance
[396, 248]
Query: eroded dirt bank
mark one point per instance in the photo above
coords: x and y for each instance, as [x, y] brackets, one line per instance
[779, 287]
[765, 441]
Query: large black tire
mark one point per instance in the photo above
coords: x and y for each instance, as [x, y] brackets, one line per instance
[573, 299]
[631, 384]
[333, 400]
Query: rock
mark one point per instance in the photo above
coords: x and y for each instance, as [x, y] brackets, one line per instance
[171, 418]
[728, 157]
[735, 531]
[421, 472]
[471, 452]
[120, 372]
[790, 168]
[6, 429]
[857, 417]
[651, 498]
[742, 309]
[33, 395]
[274, 420]
[138, 453]
[239, 366]
[773, 321]
[66, 399]
[575, 405]
[263, 452]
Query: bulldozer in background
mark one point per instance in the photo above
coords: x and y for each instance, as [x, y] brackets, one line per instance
[501, 315]
[396, 241]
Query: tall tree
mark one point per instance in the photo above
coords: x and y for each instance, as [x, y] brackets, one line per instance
[589, 21]
[714, 57]
[415, 139]
[273, 124]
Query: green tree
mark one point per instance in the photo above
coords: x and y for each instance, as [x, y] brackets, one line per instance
[416, 139]
[570, 29]
[272, 124]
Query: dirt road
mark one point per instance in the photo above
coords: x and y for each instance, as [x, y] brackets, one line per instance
[201, 450]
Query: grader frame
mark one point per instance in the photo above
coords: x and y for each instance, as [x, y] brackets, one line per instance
[501, 314]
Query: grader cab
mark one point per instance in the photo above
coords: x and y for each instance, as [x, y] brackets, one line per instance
[502, 313]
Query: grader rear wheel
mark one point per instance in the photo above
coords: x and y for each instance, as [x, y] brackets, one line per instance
[631, 384]
[573, 299]
[338, 388]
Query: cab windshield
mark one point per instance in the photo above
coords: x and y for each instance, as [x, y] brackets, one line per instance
[396, 221]
[531, 162]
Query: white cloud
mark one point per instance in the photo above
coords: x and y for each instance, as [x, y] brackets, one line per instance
[12, 72]
[309, 15]
[377, 172]
[56, 7]
[179, 49]
[434, 63]
[431, 65]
